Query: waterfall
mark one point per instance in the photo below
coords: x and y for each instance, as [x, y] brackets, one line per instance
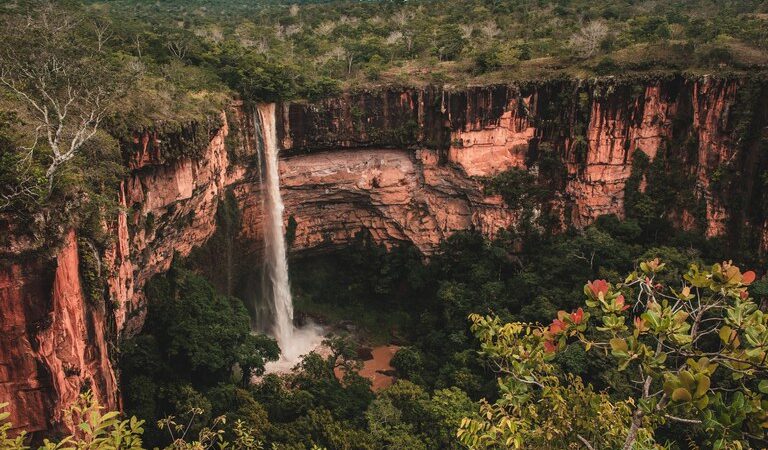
[276, 288]
[276, 262]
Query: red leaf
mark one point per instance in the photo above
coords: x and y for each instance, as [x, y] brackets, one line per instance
[577, 316]
[557, 326]
[598, 286]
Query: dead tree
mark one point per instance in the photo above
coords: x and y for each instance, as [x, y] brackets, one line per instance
[66, 88]
[586, 42]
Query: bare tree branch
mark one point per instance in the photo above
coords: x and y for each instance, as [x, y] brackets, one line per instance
[585, 442]
[103, 33]
[177, 49]
[59, 79]
[681, 419]
[586, 42]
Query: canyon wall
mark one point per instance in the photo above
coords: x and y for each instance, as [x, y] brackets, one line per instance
[168, 208]
[56, 341]
[405, 165]
[579, 138]
[396, 195]
[52, 341]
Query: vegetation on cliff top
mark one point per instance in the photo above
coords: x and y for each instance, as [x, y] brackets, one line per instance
[307, 48]
[128, 66]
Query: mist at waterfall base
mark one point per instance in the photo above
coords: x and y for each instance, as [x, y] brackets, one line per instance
[274, 312]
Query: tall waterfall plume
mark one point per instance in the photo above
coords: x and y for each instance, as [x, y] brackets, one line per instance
[276, 288]
[276, 262]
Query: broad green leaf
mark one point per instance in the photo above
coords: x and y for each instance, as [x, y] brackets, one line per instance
[619, 345]
[681, 395]
[85, 427]
[702, 386]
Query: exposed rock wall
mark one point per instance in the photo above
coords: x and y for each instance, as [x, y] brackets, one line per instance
[592, 128]
[391, 118]
[169, 209]
[52, 341]
[396, 195]
[403, 164]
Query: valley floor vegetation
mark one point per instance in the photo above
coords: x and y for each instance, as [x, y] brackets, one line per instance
[670, 356]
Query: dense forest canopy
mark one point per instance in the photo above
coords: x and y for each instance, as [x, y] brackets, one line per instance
[322, 45]
[269, 50]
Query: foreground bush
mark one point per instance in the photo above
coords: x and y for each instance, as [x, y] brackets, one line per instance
[694, 356]
[92, 428]
[95, 429]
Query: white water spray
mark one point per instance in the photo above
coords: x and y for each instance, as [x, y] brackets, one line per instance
[293, 342]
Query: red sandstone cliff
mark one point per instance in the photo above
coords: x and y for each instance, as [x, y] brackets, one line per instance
[169, 208]
[615, 130]
[340, 176]
[396, 195]
[52, 342]
[402, 164]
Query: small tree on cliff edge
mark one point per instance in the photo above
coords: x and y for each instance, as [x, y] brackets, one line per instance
[54, 65]
[695, 357]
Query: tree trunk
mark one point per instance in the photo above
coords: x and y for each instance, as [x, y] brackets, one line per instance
[50, 174]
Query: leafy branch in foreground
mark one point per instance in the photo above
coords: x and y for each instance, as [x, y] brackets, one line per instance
[694, 356]
[91, 428]
[94, 429]
[208, 437]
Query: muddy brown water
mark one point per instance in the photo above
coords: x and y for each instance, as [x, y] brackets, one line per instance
[374, 368]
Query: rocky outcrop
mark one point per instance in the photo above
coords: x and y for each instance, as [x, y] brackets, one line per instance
[168, 209]
[591, 129]
[52, 341]
[386, 118]
[165, 143]
[487, 149]
[395, 195]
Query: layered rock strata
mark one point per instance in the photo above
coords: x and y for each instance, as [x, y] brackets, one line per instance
[592, 129]
[395, 195]
[53, 342]
[404, 165]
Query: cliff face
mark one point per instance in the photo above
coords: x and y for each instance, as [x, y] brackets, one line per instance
[406, 166]
[170, 209]
[52, 341]
[396, 195]
[591, 131]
